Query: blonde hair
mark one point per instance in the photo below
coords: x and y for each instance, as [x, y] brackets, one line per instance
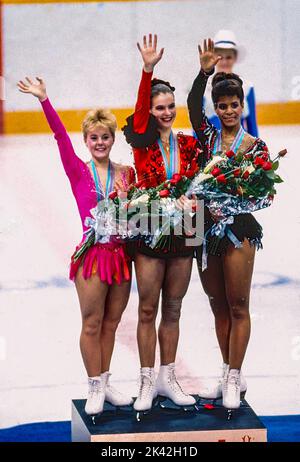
[99, 118]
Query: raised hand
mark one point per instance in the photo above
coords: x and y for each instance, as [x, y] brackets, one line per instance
[35, 89]
[208, 57]
[149, 53]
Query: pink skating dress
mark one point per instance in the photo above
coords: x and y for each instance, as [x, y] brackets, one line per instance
[110, 260]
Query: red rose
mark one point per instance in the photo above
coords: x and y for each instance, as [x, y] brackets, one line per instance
[271, 197]
[259, 161]
[267, 166]
[265, 148]
[237, 172]
[164, 193]
[177, 177]
[189, 174]
[246, 175]
[265, 156]
[230, 154]
[216, 171]
[113, 195]
[221, 178]
[173, 182]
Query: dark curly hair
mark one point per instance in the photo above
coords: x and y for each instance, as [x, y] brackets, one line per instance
[160, 86]
[227, 85]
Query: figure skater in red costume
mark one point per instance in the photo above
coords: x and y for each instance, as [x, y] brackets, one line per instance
[158, 154]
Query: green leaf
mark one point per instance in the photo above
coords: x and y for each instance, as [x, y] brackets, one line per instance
[278, 179]
[270, 174]
[275, 165]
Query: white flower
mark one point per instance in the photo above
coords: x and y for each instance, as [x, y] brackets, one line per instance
[212, 163]
[202, 177]
[143, 199]
[249, 169]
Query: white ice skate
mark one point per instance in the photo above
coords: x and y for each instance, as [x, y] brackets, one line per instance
[147, 392]
[168, 387]
[115, 397]
[96, 395]
[215, 390]
[232, 390]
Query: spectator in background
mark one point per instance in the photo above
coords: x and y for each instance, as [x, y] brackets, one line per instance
[226, 46]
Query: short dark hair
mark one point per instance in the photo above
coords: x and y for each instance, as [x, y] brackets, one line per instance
[227, 85]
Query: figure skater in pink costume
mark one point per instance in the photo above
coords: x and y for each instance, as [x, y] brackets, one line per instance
[102, 275]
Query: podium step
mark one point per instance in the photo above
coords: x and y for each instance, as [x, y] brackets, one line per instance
[211, 423]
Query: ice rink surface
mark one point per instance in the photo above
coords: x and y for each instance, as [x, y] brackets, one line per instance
[40, 363]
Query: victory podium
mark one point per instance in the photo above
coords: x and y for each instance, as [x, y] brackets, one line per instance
[211, 423]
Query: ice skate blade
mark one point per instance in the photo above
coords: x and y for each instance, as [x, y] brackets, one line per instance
[140, 414]
[163, 400]
[229, 414]
[94, 417]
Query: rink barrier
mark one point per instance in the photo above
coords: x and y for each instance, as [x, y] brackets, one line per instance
[25, 122]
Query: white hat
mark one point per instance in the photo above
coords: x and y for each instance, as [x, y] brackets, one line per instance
[226, 39]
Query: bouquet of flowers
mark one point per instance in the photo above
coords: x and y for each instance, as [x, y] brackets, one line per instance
[232, 184]
[229, 185]
[112, 218]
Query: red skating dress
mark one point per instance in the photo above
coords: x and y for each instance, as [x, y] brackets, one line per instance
[142, 134]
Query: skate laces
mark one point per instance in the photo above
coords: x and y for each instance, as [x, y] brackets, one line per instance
[174, 383]
[146, 386]
[233, 380]
[95, 387]
[223, 375]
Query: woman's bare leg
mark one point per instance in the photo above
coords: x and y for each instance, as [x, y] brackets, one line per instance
[116, 302]
[213, 284]
[175, 285]
[149, 275]
[92, 294]
[238, 268]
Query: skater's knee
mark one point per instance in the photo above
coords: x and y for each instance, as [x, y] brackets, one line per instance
[147, 313]
[171, 310]
[219, 306]
[91, 325]
[110, 324]
[239, 307]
